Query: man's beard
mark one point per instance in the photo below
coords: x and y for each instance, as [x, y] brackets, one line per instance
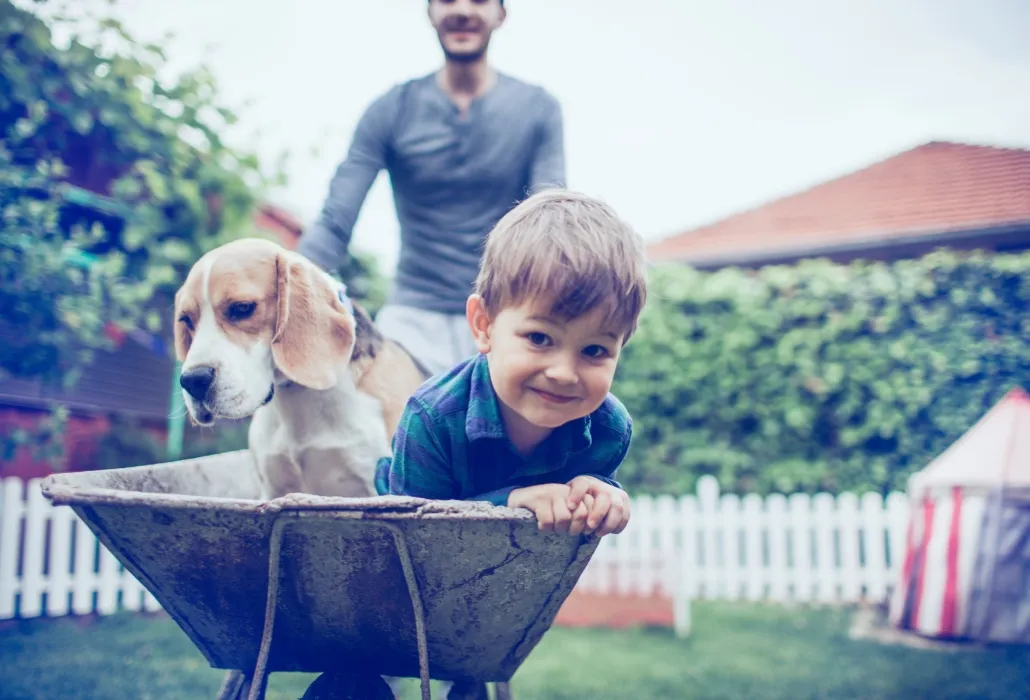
[465, 57]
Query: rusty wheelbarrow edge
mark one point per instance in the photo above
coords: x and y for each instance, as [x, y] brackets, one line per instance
[400, 507]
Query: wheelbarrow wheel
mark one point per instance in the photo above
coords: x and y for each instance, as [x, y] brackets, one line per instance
[342, 685]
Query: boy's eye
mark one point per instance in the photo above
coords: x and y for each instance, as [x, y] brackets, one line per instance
[595, 352]
[540, 339]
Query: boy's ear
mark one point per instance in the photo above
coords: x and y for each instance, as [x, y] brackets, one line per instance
[479, 322]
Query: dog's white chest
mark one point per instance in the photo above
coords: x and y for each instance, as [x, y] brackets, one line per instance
[325, 443]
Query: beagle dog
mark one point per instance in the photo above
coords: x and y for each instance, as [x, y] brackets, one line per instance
[264, 333]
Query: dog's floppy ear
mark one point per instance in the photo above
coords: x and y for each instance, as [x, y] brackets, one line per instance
[183, 336]
[314, 332]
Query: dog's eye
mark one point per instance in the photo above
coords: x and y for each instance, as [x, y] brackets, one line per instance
[240, 310]
[185, 320]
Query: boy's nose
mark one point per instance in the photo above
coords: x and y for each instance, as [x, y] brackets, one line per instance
[563, 372]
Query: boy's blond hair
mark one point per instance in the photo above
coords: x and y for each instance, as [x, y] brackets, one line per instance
[568, 248]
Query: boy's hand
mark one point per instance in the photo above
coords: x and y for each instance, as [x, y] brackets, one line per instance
[549, 503]
[609, 512]
[579, 516]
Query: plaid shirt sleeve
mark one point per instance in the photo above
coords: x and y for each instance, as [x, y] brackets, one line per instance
[611, 467]
[498, 497]
[421, 465]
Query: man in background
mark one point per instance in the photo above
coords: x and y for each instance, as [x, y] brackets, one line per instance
[462, 145]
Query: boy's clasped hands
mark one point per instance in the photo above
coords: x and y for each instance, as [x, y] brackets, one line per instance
[585, 505]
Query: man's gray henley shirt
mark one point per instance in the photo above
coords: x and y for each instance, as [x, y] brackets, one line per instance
[453, 177]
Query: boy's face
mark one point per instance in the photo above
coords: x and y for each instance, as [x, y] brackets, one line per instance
[464, 26]
[546, 371]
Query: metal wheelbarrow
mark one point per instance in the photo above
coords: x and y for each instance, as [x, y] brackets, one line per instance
[354, 589]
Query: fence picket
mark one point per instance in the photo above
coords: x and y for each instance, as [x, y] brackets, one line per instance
[109, 582]
[754, 555]
[11, 508]
[702, 545]
[850, 567]
[897, 522]
[779, 573]
[666, 517]
[824, 527]
[874, 545]
[708, 524]
[729, 508]
[801, 545]
[642, 528]
[59, 579]
[689, 580]
[85, 572]
[37, 511]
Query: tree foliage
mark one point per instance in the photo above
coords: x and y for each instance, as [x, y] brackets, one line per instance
[820, 375]
[106, 164]
[114, 178]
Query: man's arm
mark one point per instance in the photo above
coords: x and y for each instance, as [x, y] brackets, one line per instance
[325, 242]
[421, 465]
[548, 168]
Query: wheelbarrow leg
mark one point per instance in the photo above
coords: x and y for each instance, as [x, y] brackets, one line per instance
[502, 691]
[236, 686]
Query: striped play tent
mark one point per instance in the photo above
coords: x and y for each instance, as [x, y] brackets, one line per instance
[967, 552]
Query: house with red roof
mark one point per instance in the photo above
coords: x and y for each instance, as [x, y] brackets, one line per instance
[937, 194]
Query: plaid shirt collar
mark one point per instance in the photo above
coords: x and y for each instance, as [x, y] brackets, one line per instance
[483, 419]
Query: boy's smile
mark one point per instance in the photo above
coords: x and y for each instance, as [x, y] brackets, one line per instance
[554, 398]
[545, 371]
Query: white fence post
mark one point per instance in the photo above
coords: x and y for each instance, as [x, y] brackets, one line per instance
[824, 527]
[754, 553]
[801, 545]
[11, 507]
[59, 586]
[84, 581]
[729, 509]
[822, 548]
[850, 566]
[874, 540]
[32, 582]
[708, 523]
[779, 574]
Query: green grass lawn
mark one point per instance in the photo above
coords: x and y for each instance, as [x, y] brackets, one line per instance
[736, 651]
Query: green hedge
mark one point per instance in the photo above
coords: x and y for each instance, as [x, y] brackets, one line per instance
[820, 375]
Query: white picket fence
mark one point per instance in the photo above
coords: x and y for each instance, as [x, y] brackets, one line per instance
[800, 548]
[821, 549]
[52, 565]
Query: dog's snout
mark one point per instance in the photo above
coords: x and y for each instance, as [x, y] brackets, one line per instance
[197, 381]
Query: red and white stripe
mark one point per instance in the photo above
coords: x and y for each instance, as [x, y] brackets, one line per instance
[939, 560]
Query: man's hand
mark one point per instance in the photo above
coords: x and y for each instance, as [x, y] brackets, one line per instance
[549, 503]
[609, 511]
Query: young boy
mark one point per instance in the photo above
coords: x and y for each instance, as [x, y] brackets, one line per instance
[529, 421]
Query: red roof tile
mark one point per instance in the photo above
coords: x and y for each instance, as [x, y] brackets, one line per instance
[280, 222]
[935, 188]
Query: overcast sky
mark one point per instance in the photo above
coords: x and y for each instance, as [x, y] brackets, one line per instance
[678, 112]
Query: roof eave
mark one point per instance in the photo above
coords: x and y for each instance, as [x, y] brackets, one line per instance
[872, 245]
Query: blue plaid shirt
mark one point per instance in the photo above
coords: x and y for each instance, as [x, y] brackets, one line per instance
[450, 443]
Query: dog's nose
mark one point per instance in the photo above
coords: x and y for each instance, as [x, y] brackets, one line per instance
[197, 381]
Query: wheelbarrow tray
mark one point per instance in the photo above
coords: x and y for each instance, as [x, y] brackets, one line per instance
[197, 536]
